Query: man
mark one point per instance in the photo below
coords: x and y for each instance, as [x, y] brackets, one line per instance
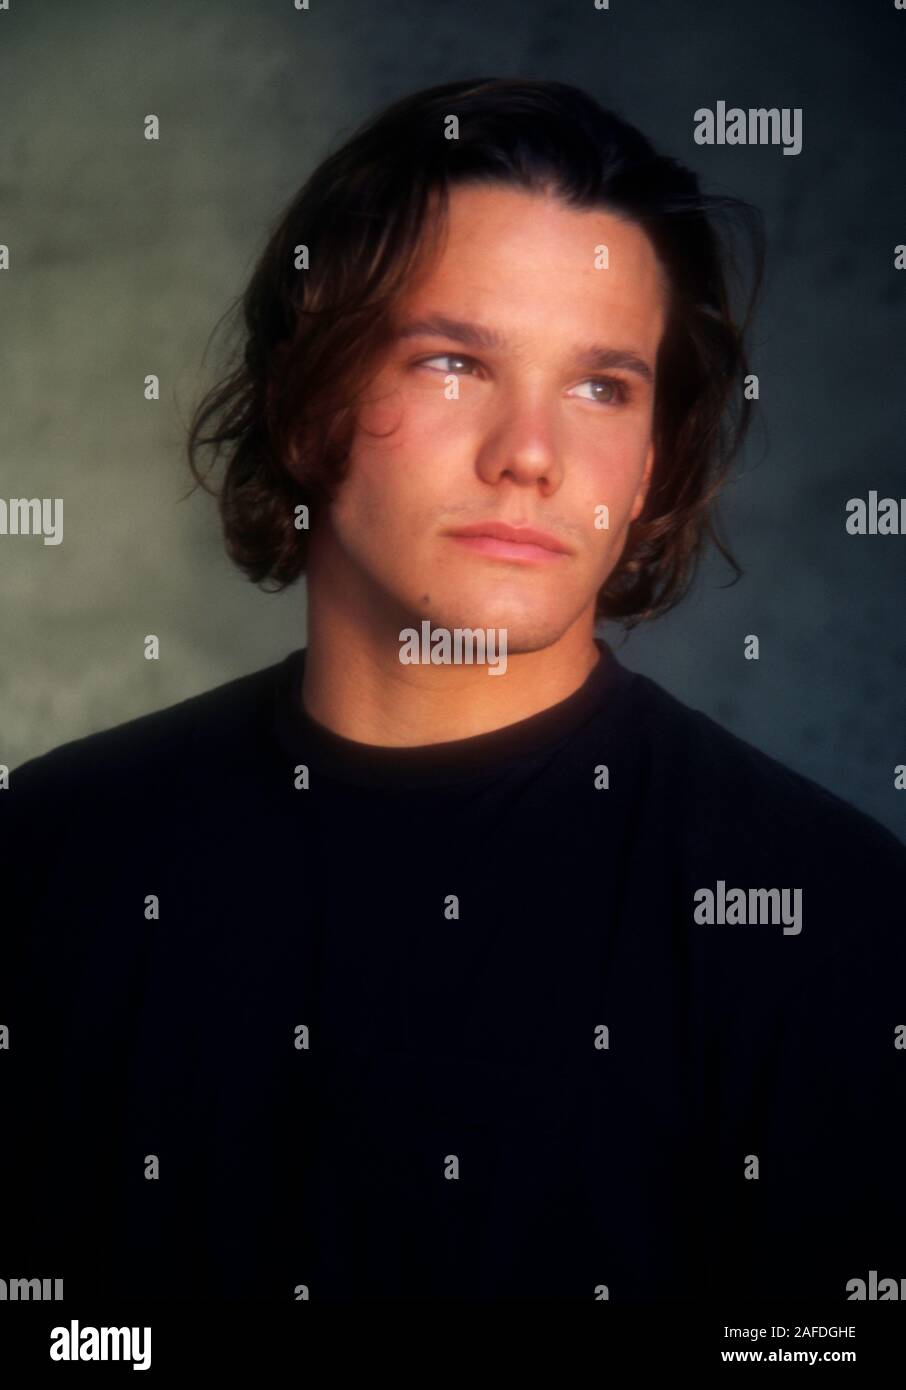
[447, 958]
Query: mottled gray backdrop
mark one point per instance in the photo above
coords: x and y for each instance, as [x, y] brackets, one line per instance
[124, 254]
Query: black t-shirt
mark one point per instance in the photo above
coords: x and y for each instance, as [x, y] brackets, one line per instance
[293, 1016]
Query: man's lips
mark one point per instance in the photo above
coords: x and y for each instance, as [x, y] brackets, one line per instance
[509, 542]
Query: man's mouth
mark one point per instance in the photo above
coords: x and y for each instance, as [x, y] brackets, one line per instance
[505, 542]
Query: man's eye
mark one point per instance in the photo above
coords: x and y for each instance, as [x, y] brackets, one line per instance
[607, 390]
[458, 370]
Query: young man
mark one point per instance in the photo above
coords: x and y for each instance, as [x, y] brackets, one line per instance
[447, 958]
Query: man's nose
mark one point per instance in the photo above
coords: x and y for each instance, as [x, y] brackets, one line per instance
[522, 443]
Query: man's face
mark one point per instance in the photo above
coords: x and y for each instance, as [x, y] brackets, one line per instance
[503, 414]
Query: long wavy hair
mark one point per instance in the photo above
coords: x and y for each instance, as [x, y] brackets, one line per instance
[282, 419]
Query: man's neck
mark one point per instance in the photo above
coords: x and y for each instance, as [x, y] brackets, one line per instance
[356, 685]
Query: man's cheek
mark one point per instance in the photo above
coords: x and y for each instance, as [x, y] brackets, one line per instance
[381, 416]
[610, 510]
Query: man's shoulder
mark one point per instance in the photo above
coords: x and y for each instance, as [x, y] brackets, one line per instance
[733, 791]
[164, 745]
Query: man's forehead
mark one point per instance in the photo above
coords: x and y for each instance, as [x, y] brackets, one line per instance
[528, 215]
[495, 240]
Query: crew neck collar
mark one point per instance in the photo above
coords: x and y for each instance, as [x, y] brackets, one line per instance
[459, 760]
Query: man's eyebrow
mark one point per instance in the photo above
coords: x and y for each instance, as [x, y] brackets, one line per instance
[595, 357]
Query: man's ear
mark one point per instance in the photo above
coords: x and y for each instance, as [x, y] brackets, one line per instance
[639, 501]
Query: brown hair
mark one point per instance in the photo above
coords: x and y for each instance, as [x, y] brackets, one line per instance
[284, 417]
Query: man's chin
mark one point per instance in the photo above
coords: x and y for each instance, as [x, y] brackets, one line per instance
[524, 632]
